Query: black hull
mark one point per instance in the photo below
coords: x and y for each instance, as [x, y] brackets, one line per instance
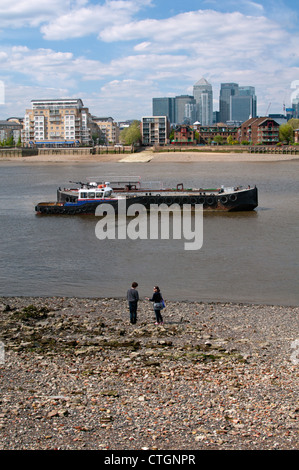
[246, 200]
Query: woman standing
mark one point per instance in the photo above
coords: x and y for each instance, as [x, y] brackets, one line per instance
[157, 304]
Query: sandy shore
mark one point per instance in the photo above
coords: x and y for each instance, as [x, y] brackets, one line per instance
[77, 375]
[147, 156]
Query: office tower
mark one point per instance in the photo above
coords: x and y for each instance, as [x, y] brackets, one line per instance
[226, 91]
[164, 107]
[295, 108]
[181, 109]
[243, 104]
[203, 95]
[294, 112]
[190, 113]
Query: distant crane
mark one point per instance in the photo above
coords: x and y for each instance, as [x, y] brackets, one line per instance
[269, 106]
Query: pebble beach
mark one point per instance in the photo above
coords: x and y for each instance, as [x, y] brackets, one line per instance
[75, 374]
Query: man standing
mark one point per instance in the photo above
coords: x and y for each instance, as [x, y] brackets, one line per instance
[133, 297]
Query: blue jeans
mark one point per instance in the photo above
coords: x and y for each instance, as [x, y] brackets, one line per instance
[133, 311]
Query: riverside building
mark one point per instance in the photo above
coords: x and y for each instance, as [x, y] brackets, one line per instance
[58, 123]
[11, 128]
[109, 129]
[155, 130]
[263, 130]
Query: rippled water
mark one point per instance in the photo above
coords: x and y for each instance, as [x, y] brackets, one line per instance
[246, 257]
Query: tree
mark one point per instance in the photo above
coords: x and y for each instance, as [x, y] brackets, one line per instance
[286, 133]
[131, 135]
[171, 135]
[294, 123]
[218, 139]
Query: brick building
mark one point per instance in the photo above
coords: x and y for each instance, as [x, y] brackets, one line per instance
[208, 133]
[263, 130]
[184, 135]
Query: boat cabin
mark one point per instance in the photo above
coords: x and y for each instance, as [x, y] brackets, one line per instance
[95, 191]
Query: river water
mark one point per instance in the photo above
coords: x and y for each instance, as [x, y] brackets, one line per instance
[245, 257]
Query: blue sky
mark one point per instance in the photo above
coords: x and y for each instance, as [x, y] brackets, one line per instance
[116, 55]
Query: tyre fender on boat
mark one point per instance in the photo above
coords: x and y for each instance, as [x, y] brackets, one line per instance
[224, 199]
[210, 200]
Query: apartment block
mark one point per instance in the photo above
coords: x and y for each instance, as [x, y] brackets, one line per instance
[208, 133]
[12, 127]
[155, 130]
[58, 123]
[263, 130]
[109, 129]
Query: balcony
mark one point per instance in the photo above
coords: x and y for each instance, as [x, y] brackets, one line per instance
[55, 119]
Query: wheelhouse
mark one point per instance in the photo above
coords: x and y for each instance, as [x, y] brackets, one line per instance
[94, 191]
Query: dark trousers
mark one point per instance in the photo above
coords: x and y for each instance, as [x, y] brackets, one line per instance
[159, 318]
[133, 311]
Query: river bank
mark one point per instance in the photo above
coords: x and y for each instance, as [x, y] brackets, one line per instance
[148, 156]
[77, 375]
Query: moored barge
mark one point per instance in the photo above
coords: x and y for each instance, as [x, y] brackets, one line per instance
[86, 197]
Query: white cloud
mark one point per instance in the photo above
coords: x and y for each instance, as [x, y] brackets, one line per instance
[21, 13]
[18, 97]
[91, 19]
[166, 58]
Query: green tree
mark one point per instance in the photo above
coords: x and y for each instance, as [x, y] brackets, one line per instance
[131, 135]
[286, 133]
[218, 139]
[294, 123]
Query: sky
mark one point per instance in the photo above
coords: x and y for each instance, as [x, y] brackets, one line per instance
[116, 55]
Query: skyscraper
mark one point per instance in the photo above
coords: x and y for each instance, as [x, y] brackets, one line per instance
[243, 104]
[203, 95]
[295, 102]
[164, 107]
[226, 91]
[181, 110]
